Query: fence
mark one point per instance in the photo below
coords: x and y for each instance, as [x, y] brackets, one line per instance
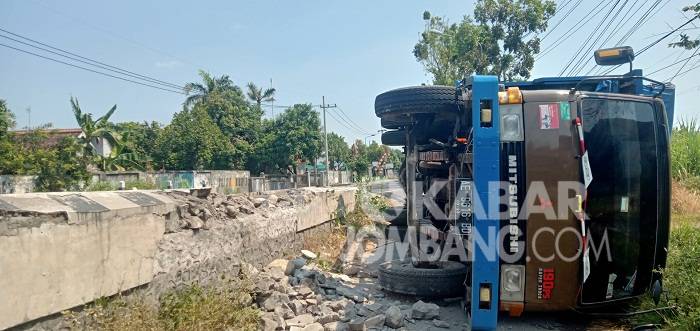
[220, 181]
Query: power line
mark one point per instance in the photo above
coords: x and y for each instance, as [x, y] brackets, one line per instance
[345, 124]
[590, 36]
[95, 63]
[673, 64]
[581, 22]
[116, 35]
[685, 64]
[343, 114]
[581, 64]
[647, 47]
[571, 10]
[91, 70]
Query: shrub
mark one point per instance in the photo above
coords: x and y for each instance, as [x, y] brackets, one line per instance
[101, 186]
[224, 307]
[681, 282]
[685, 153]
[140, 185]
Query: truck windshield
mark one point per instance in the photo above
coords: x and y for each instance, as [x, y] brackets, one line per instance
[622, 198]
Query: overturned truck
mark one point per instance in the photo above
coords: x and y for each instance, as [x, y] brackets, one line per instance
[558, 188]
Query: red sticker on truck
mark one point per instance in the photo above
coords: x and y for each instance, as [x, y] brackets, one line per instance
[545, 283]
[549, 116]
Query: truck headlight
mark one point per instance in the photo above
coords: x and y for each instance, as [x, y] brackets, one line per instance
[511, 123]
[512, 282]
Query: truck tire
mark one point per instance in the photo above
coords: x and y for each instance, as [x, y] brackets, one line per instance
[418, 100]
[394, 138]
[447, 281]
[394, 122]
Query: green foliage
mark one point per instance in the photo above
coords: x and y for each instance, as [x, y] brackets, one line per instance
[7, 119]
[258, 95]
[140, 185]
[101, 186]
[140, 138]
[192, 141]
[221, 307]
[93, 129]
[338, 151]
[685, 40]
[681, 281]
[495, 41]
[197, 308]
[292, 138]
[59, 168]
[359, 160]
[685, 153]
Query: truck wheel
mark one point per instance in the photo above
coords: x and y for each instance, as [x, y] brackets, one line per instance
[418, 100]
[394, 122]
[446, 281]
[394, 138]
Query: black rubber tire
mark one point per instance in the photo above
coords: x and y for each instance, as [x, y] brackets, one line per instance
[394, 138]
[417, 100]
[393, 122]
[444, 282]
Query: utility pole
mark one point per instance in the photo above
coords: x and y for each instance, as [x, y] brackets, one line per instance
[325, 131]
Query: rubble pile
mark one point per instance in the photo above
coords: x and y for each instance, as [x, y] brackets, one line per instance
[214, 209]
[297, 295]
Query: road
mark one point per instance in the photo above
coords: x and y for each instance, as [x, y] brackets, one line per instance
[529, 321]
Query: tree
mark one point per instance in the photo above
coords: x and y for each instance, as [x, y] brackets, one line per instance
[338, 151]
[359, 161]
[201, 92]
[139, 137]
[192, 141]
[123, 156]
[495, 41]
[93, 129]
[7, 119]
[686, 41]
[257, 95]
[59, 168]
[291, 139]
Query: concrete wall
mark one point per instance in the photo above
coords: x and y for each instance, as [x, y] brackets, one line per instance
[62, 250]
[16, 184]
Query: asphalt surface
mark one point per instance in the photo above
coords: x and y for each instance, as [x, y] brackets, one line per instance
[392, 190]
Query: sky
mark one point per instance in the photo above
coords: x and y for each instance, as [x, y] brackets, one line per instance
[347, 51]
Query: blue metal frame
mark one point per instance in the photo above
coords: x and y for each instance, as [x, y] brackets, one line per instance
[485, 264]
[612, 86]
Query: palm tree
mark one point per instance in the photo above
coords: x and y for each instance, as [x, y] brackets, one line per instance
[93, 129]
[122, 157]
[257, 94]
[198, 92]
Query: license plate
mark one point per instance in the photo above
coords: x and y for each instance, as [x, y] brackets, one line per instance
[463, 207]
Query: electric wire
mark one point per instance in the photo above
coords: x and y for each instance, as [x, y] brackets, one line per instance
[98, 64]
[654, 43]
[582, 63]
[581, 22]
[588, 39]
[571, 10]
[91, 70]
[344, 114]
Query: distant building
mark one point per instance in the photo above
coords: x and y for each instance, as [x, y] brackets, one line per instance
[54, 136]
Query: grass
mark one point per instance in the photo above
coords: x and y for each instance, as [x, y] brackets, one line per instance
[221, 307]
[113, 186]
[681, 282]
[685, 154]
[682, 273]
